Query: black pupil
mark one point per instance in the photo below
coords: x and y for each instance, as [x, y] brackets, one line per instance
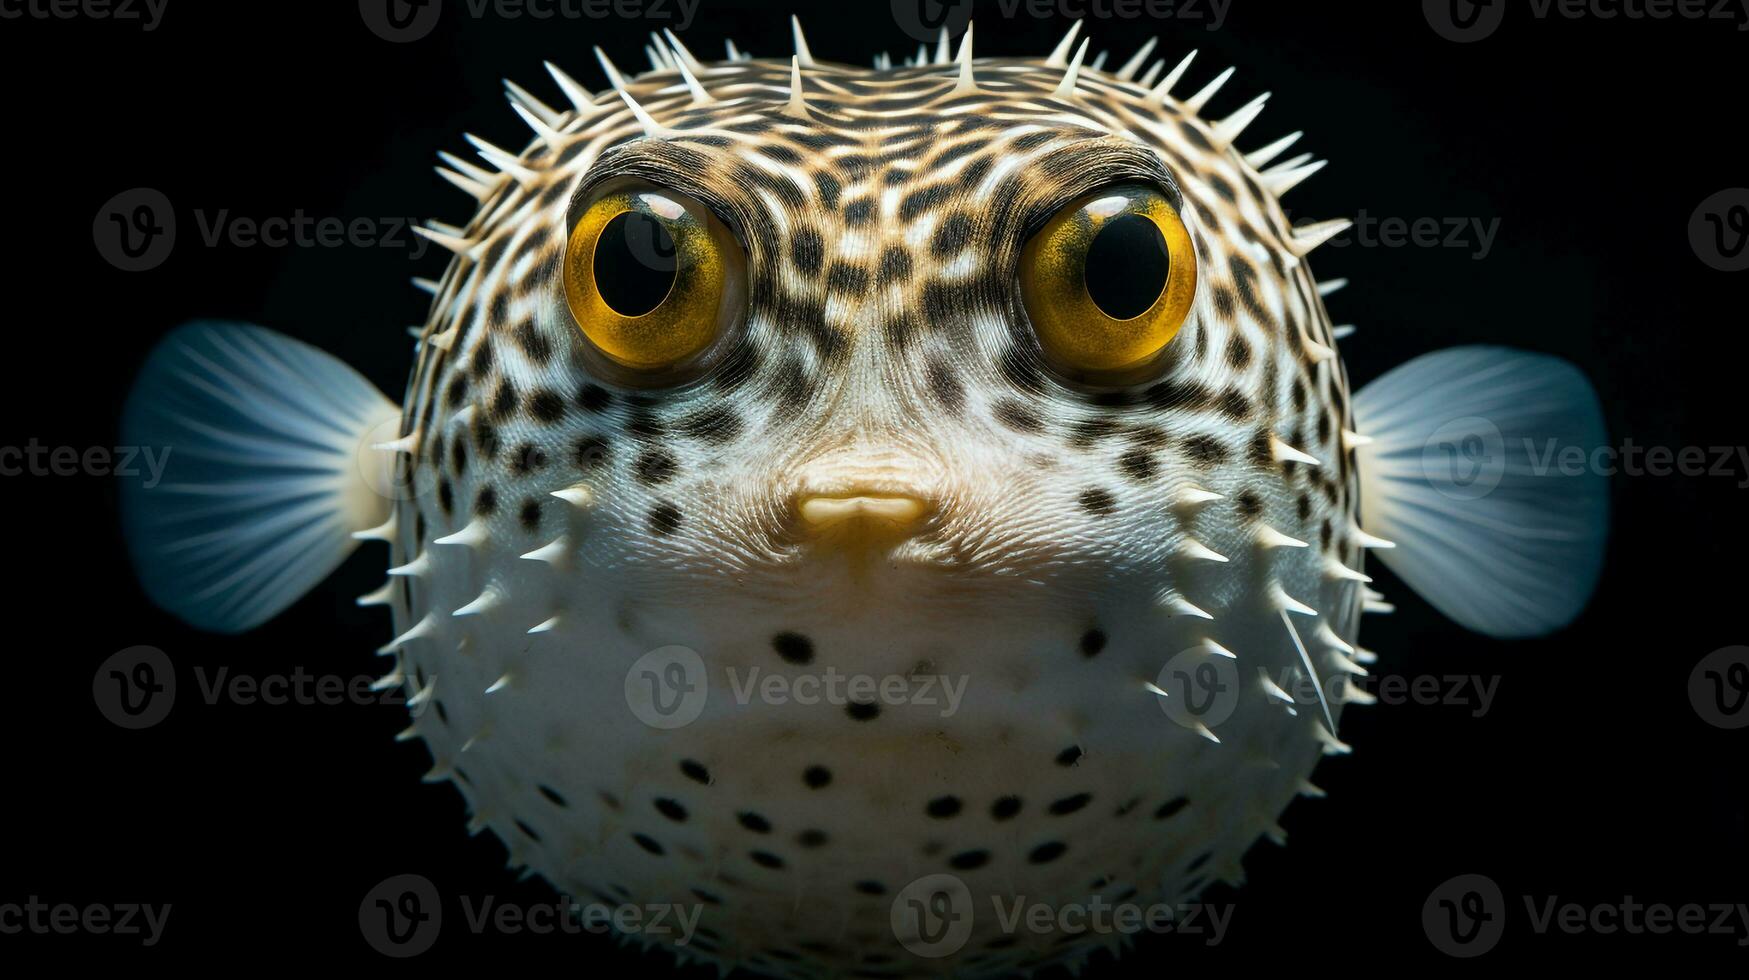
[634, 263]
[1126, 266]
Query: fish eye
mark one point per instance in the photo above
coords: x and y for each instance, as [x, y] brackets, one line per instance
[1108, 281]
[652, 277]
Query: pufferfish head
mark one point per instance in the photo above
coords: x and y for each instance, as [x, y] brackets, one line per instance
[1007, 373]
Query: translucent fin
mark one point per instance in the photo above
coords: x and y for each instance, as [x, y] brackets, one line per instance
[1465, 474]
[268, 471]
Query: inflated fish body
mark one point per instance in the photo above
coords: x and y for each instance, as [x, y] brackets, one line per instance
[814, 481]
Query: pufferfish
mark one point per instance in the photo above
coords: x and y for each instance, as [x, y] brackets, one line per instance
[829, 497]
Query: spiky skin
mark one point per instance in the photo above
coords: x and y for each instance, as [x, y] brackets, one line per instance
[1081, 538]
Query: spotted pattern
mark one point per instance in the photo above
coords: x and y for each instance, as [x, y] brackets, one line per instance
[570, 519]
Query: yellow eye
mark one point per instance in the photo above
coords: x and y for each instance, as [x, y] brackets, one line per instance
[1109, 280]
[651, 276]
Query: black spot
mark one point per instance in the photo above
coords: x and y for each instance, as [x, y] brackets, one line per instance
[871, 888]
[445, 496]
[1069, 804]
[530, 515]
[695, 771]
[1070, 755]
[591, 452]
[486, 502]
[943, 807]
[843, 277]
[546, 405]
[1249, 505]
[817, 777]
[919, 201]
[670, 809]
[648, 844]
[1097, 502]
[793, 647]
[485, 436]
[863, 710]
[1047, 852]
[829, 189]
[1245, 282]
[715, 425]
[527, 458]
[643, 425]
[1137, 464]
[811, 838]
[1171, 807]
[1205, 451]
[1179, 394]
[895, 265]
[664, 519]
[1234, 405]
[1017, 416]
[807, 251]
[766, 859]
[481, 363]
[655, 467]
[458, 390]
[1005, 808]
[1092, 642]
[952, 235]
[553, 795]
[535, 344]
[504, 401]
[754, 822]
[593, 398]
[945, 384]
[969, 860]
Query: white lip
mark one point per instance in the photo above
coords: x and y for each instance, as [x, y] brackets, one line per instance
[892, 509]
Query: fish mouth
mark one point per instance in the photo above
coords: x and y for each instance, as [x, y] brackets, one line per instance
[821, 513]
[859, 523]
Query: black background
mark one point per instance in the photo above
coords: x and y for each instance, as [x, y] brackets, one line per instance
[1592, 141]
